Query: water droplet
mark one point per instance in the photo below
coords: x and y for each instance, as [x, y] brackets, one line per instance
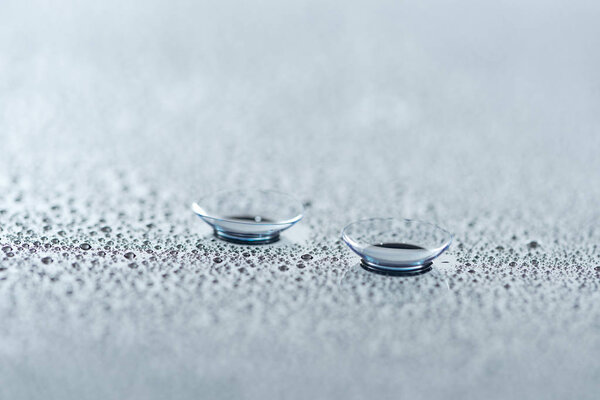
[533, 244]
[85, 246]
[129, 255]
[106, 229]
[6, 249]
[306, 257]
[218, 260]
[283, 268]
[47, 260]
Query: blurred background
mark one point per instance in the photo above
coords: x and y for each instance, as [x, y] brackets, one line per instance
[482, 117]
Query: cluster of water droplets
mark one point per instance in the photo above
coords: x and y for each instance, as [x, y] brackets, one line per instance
[138, 262]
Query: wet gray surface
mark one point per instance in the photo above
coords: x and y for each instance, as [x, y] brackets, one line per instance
[115, 116]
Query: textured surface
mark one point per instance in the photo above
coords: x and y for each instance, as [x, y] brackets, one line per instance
[115, 116]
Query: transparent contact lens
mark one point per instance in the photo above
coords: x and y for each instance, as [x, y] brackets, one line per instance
[397, 246]
[249, 216]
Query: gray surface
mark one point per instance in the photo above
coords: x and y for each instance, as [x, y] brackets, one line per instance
[482, 118]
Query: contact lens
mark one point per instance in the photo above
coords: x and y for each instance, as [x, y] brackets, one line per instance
[249, 216]
[401, 246]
